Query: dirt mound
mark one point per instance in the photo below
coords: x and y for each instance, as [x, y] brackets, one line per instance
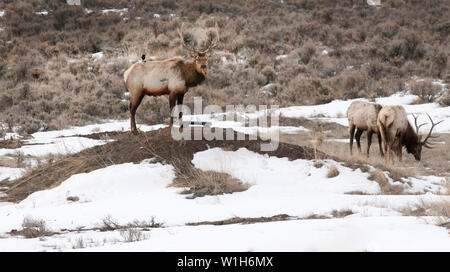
[135, 148]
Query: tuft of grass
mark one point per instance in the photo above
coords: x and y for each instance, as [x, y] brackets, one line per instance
[203, 183]
[132, 234]
[240, 220]
[33, 228]
[332, 171]
[110, 224]
[73, 198]
[386, 188]
[79, 243]
[341, 213]
[438, 209]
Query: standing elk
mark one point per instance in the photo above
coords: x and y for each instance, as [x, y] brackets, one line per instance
[362, 116]
[173, 76]
[397, 132]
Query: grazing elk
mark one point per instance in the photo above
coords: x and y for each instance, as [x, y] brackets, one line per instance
[397, 132]
[173, 76]
[362, 116]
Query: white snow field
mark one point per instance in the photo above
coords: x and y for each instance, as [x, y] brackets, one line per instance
[336, 111]
[128, 192]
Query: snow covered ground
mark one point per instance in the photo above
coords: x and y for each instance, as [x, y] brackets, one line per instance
[129, 192]
[62, 142]
[336, 111]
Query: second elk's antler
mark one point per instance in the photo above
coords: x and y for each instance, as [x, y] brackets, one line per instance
[425, 142]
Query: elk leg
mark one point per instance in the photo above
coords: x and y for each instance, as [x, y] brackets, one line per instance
[399, 151]
[180, 102]
[172, 100]
[399, 147]
[359, 132]
[390, 154]
[369, 141]
[352, 132]
[382, 138]
[380, 145]
[134, 104]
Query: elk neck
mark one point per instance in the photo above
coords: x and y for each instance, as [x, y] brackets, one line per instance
[190, 74]
[410, 139]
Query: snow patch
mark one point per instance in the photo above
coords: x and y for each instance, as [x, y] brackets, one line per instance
[10, 173]
[43, 12]
[98, 56]
[279, 57]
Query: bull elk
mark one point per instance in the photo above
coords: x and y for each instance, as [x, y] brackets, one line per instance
[173, 76]
[362, 116]
[396, 132]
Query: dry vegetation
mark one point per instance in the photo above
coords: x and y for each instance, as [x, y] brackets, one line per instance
[48, 79]
[136, 148]
[439, 210]
[278, 217]
[433, 162]
[33, 228]
[332, 171]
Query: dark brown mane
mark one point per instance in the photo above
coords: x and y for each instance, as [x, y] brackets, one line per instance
[410, 139]
[190, 74]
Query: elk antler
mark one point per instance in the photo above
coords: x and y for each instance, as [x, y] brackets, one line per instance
[433, 124]
[180, 32]
[417, 126]
[212, 43]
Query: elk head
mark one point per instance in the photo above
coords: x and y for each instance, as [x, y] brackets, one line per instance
[416, 149]
[200, 57]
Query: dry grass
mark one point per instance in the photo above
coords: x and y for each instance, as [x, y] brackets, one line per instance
[135, 148]
[132, 234]
[51, 82]
[434, 161]
[73, 198]
[341, 213]
[240, 220]
[279, 217]
[201, 183]
[386, 188]
[332, 171]
[108, 223]
[438, 209]
[32, 228]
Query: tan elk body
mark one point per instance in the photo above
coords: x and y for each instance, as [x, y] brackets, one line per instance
[362, 116]
[172, 76]
[396, 132]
